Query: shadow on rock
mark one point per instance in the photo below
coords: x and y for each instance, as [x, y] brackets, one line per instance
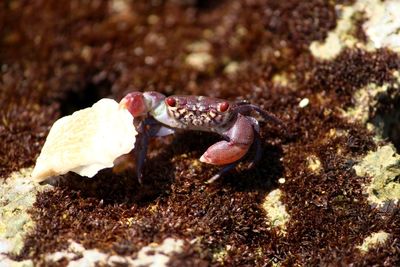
[123, 187]
[262, 177]
[159, 172]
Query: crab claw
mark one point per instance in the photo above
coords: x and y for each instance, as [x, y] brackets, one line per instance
[223, 153]
[135, 103]
[241, 136]
[139, 103]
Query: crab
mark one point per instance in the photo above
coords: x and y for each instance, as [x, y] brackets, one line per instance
[161, 116]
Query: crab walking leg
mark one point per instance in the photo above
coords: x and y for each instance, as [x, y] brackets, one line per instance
[245, 108]
[147, 129]
[141, 150]
[222, 172]
[258, 148]
[257, 142]
[241, 136]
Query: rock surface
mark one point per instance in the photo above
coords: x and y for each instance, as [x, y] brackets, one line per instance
[328, 69]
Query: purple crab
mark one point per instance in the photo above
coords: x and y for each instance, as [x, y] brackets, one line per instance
[232, 120]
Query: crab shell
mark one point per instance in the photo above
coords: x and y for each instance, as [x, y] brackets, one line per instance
[198, 113]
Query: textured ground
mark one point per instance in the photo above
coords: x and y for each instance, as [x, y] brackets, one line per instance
[60, 56]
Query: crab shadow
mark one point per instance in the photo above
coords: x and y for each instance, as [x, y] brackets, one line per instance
[166, 157]
[262, 177]
[118, 188]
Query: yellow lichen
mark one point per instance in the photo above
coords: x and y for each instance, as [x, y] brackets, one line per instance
[220, 255]
[381, 27]
[199, 60]
[276, 211]
[17, 195]
[383, 166]
[282, 79]
[373, 240]
[231, 68]
[364, 98]
[337, 39]
[199, 46]
[314, 164]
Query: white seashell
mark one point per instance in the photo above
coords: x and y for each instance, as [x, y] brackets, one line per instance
[86, 141]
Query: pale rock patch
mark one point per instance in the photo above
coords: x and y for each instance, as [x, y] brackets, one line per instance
[383, 166]
[276, 211]
[17, 196]
[373, 240]
[381, 26]
[150, 256]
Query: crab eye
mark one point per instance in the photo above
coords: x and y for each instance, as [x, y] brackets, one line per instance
[223, 106]
[171, 101]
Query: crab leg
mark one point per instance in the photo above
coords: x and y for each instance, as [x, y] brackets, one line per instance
[148, 128]
[240, 137]
[244, 108]
[257, 157]
[257, 142]
[141, 150]
[221, 173]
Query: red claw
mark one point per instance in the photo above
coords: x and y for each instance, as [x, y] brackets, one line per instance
[223, 153]
[135, 103]
[241, 137]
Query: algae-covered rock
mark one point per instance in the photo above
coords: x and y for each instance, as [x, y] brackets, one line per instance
[364, 99]
[276, 211]
[381, 24]
[328, 69]
[151, 255]
[383, 166]
[373, 240]
[17, 196]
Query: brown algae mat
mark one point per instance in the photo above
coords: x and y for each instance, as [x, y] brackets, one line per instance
[60, 56]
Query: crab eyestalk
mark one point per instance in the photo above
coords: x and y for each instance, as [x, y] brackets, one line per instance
[139, 104]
